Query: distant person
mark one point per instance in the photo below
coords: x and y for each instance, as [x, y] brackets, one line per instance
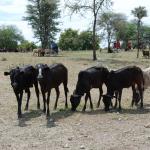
[54, 47]
[129, 45]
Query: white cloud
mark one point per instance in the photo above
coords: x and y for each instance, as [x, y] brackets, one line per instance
[14, 7]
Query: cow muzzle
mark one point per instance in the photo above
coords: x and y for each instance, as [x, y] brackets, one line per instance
[14, 85]
[40, 77]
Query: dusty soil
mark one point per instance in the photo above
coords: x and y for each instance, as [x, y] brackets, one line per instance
[64, 130]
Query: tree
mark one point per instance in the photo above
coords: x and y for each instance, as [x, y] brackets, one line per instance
[127, 32]
[26, 46]
[10, 36]
[111, 24]
[139, 13]
[94, 7]
[85, 40]
[69, 40]
[73, 40]
[42, 15]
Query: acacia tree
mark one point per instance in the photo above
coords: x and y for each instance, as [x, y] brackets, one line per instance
[42, 15]
[106, 24]
[127, 32]
[139, 12]
[92, 6]
[111, 24]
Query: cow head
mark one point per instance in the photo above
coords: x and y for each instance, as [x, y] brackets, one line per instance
[41, 70]
[107, 101]
[75, 101]
[15, 77]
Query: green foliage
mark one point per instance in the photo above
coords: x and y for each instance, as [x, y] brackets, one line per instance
[42, 15]
[139, 12]
[71, 40]
[85, 40]
[128, 32]
[10, 36]
[94, 7]
[112, 26]
[27, 46]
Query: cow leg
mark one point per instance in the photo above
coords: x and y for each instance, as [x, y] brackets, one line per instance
[44, 101]
[66, 91]
[19, 100]
[91, 104]
[37, 94]
[141, 94]
[86, 98]
[48, 99]
[100, 95]
[116, 99]
[57, 96]
[119, 99]
[133, 91]
[28, 97]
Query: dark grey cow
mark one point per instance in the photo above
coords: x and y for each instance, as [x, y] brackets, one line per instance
[22, 79]
[126, 77]
[93, 77]
[51, 77]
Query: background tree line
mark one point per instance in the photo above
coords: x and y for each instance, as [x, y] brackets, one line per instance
[43, 17]
[73, 40]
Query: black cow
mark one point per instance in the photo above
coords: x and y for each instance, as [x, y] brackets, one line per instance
[23, 79]
[123, 78]
[51, 77]
[93, 77]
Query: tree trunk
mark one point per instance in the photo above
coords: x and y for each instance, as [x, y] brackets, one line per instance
[94, 39]
[108, 40]
[138, 38]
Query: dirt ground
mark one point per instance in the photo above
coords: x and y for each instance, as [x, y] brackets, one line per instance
[65, 130]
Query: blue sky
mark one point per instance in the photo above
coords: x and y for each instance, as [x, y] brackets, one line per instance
[12, 11]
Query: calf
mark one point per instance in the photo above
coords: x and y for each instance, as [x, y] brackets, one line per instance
[51, 77]
[123, 78]
[22, 79]
[93, 77]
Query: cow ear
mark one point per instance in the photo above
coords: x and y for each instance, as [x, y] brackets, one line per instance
[6, 73]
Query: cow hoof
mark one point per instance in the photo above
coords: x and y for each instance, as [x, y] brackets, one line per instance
[97, 106]
[38, 107]
[47, 116]
[44, 110]
[19, 116]
[26, 109]
[83, 110]
[66, 106]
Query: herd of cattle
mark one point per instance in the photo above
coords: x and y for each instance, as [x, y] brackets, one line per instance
[48, 77]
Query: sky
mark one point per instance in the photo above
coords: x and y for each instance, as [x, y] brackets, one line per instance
[12, 12]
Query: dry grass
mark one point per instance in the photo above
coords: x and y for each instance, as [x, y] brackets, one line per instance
[67, 130]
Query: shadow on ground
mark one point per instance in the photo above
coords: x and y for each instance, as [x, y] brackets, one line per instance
[27, 116]
[56, 116]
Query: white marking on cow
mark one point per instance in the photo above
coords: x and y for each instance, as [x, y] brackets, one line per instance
[40, 72]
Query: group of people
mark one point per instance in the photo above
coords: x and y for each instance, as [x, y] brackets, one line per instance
[117, 45]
